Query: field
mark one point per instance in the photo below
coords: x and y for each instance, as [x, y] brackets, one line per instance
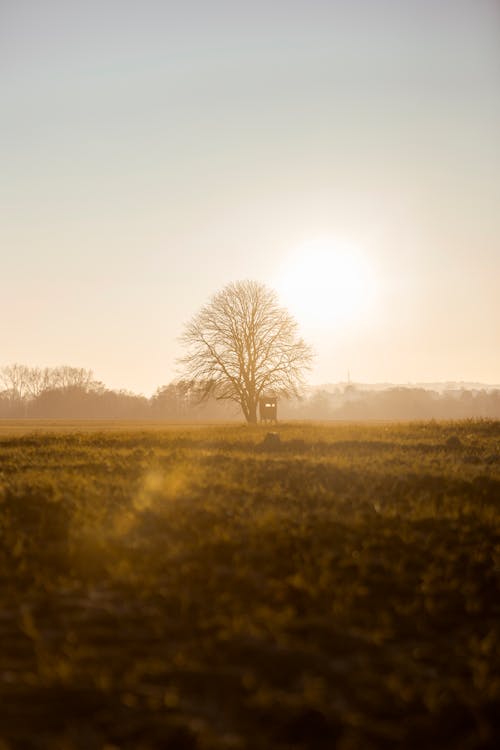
[190, 588]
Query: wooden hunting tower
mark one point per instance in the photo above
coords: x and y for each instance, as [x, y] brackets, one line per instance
[268, 408]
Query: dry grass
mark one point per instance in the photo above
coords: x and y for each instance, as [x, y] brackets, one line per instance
[184, 588]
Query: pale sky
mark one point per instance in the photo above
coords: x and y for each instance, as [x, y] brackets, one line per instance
[346, 152]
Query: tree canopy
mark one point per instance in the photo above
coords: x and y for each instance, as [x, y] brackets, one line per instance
[243, 345]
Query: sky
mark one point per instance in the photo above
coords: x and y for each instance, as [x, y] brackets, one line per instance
[344, 152]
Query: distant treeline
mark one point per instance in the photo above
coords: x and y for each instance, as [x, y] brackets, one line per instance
[397, 403]
[73, 393]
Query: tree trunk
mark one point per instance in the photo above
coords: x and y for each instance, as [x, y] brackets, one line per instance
[252, 413]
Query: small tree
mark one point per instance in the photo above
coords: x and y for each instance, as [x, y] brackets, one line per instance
[242, 344]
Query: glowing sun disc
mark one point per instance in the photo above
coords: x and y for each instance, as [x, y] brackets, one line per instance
[327, 284]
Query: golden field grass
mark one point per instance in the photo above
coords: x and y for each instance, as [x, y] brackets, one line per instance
[183, 587]
[14, 427]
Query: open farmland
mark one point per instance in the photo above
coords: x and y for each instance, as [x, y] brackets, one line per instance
[187, 588]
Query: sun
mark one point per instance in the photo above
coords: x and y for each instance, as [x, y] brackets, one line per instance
[327, 284]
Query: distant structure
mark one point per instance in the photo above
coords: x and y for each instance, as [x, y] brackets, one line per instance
[349, 388]
[268, 409]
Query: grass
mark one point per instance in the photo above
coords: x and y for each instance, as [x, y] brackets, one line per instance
[185, 588]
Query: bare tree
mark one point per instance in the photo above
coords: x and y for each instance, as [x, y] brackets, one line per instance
[70, 377]
[243, 344]
[25, 383]
[38, 380]
[16, 380]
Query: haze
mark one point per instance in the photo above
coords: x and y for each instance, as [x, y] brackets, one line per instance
[154, 151]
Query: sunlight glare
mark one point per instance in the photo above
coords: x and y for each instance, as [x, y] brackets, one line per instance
[327, 284]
